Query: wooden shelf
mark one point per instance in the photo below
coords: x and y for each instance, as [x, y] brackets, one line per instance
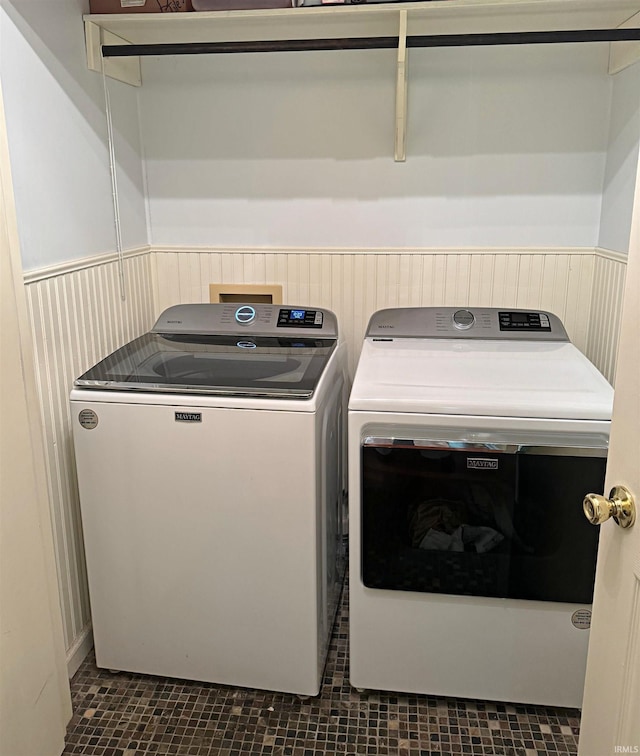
[436, 17]
[395, 21]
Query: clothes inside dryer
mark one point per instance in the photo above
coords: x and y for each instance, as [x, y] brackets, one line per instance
[479, 523]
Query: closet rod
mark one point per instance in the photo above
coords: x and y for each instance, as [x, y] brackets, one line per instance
[373, 43]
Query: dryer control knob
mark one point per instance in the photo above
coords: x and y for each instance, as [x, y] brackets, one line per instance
[463, 319]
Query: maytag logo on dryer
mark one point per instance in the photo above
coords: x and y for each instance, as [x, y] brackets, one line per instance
[478, 463]
[188, 417]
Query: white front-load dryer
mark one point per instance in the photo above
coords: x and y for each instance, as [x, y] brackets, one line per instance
[209, 455]
[473, 437]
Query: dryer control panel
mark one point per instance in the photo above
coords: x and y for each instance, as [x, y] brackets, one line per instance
[524, 321]
[466, 323]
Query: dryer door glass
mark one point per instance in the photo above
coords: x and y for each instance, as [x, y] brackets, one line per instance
[479, 520]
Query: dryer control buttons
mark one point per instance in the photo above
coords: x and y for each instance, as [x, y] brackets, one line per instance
[524, 321]
[245, 315]
[463, 319]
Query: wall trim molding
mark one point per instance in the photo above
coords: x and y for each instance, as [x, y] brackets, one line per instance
[80, 649]
[610, 254]
[206, 250]
[71, 266]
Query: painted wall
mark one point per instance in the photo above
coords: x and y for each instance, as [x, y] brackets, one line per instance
[506, 147]
[622, 159]
[57, 134]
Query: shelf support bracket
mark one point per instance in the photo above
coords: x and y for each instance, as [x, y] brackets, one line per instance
[624, 54]
[126, 69]
[401, 92]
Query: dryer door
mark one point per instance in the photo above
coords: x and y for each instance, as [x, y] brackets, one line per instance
[450, 517]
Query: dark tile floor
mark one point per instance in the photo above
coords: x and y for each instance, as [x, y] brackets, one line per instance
[127, 714]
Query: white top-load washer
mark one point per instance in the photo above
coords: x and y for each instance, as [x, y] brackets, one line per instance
[474, 435]
[210, 469]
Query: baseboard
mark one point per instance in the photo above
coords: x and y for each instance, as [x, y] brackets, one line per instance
[78, 652]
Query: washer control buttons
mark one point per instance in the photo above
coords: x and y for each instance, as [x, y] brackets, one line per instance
[245, 315]
[463, 319]
[292, 318]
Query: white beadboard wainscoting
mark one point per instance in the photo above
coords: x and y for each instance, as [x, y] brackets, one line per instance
[355, 283]
[78, 317]
[605, 311]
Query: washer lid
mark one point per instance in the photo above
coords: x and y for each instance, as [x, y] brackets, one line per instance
[470, 377]
[241, 365]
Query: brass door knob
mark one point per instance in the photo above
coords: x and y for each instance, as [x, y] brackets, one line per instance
[620, 505]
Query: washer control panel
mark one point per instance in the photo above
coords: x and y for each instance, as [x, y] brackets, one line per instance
[245, 315]
[244, 318]
[466, 323]
[292, 318]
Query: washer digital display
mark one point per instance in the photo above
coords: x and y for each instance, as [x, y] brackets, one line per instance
[291, 318]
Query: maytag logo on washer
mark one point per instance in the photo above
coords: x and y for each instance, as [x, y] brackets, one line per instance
[188, 417]
[476, 463]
